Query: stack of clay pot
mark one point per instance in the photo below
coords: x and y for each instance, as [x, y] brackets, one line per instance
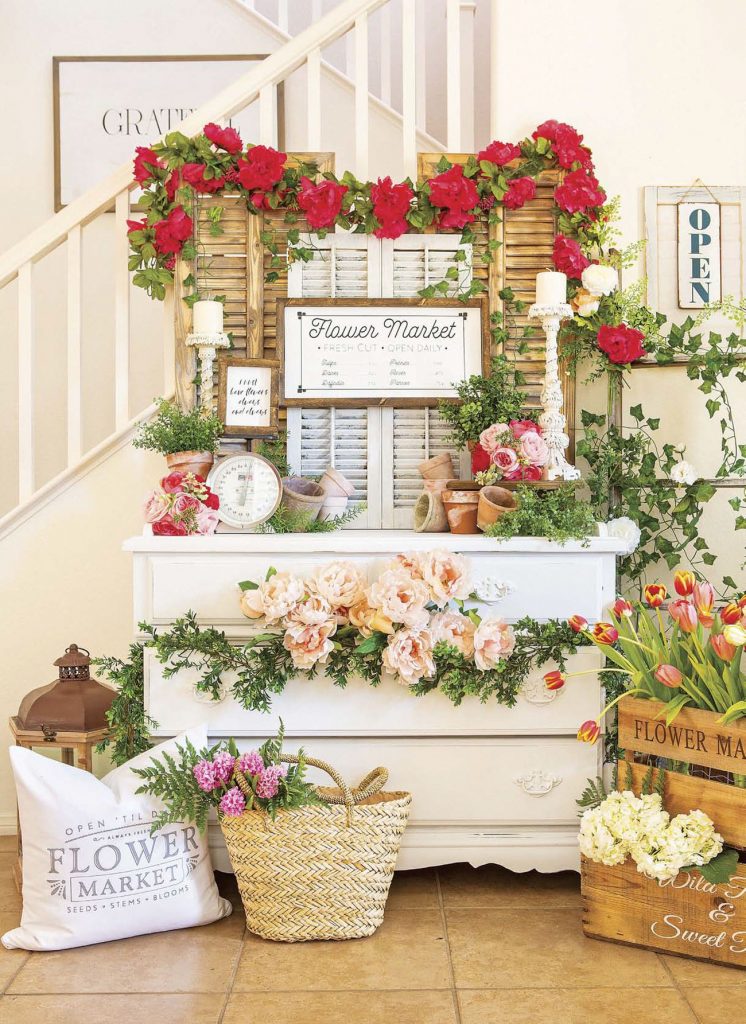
[429, 511]
[337, 492]
[302, 495]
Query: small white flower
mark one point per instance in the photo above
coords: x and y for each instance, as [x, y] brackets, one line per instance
[600, 280]
[625, 529]
[684, 473]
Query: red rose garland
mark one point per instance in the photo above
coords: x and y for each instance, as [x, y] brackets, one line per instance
[321, 203]
[390, 205]
[569, 257]
[455, 195]
[499, 153]
[622, 344]
[520, 190]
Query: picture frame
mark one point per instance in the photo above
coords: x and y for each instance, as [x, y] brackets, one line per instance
[94, 132]
[399, 369]
[248, 402]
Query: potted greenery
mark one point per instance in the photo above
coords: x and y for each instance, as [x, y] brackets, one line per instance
[189, 440]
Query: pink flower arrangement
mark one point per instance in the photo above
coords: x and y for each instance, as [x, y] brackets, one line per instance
[233, 803]
[182, 505]
[511, 451]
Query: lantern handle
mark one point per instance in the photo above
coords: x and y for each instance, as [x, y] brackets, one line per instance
[81, 650]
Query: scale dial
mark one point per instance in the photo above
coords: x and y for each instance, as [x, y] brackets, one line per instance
[249, 488]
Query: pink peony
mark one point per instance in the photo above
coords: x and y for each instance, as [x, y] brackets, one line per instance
[454, 629]
[204, 773]
[494, 641]
[409, 656]
[534, 448]
[521, 427]
[490, 439]
[223, 763]
[505, 459]
[400, 598]
[233, 803]
[156, 505]
[314, 611]
[280, 593]
[341, 583]
[447, 576]
[250, 763]
[309, 644]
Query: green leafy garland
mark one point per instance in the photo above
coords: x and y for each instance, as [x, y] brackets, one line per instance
[129, 725]
[262, 665]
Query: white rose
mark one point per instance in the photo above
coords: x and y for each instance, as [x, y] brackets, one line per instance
[599, 280]
[341, 583]
[625, 529]
[684, 473]
[409, 656]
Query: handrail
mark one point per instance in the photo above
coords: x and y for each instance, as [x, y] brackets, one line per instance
[229, 101]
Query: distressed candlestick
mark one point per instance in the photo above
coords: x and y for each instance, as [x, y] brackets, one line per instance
[552, 420]
[207, 337]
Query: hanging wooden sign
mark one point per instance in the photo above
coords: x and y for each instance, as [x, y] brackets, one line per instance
[699, 254]
[348, 351]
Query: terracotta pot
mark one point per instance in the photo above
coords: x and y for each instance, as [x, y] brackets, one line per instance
[302, 495]
[494, 502]
[435, 486]
[334, 505]
[440, 467]
[199, 463]
[430, 513]
[461, 510]
[333, 483]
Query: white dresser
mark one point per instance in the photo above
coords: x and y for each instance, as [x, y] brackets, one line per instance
[490, 784]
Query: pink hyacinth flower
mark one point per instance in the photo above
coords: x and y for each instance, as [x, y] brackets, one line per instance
[233, 803]
[223, 763]
[251, 763]
[204, 773]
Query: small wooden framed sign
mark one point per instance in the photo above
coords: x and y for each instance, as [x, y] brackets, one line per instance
[699, 254]
[348, 352]
[248, 392]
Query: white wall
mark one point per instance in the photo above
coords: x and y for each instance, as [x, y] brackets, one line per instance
[657, 103]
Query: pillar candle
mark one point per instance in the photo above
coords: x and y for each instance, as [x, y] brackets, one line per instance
[207, 317]
[551, 288]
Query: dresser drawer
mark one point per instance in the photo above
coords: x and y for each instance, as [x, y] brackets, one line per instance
[544, 585]
[316, 707]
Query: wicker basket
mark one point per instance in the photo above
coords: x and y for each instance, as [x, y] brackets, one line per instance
[319, 872]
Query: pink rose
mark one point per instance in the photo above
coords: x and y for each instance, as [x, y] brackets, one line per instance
[156, 505]
[186, 503]
[534, 449]
[207, 521]
[505, 459]
[494, 641]
[520, 427]
[408, 656]
[490, 438]
[172, 483]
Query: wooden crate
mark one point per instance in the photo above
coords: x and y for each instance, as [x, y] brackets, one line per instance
[686, 916]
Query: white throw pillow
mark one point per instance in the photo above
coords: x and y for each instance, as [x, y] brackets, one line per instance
[91, 870]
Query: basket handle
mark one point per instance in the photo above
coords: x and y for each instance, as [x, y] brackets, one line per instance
[372, 783]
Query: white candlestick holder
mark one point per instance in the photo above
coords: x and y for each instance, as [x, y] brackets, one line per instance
[552, 419]
[207, 346]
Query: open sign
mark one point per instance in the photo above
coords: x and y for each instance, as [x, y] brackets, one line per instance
[699, 254]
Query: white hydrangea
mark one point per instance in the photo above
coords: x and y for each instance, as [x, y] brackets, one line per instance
[625, 825]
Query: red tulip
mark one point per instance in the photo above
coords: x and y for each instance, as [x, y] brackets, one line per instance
[731, 614]
[655, 594]
[589, 731]
[683, 581]
[722, 648]
[577, 623]
[554, 680]
[684, 615]
[669, 675]
[622, 607]
[604, 633]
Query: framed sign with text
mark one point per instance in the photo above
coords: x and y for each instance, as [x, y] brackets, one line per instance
[350, 352]
[699, 254]
[248, 396]
[106, 106]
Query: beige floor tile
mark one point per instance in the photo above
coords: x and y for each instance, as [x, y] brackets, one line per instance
[114, 1009]
[574, 1006]
[11, 960]
[190, 960]
[10, 898]
[698, 972]
[715, 1005]
[407, 952]
[501, 949]
[413, 890]
[340, 1008]
[493, 886]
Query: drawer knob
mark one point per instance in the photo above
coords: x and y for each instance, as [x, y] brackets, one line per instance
[535, 692]
[491, 589]
[537, 782]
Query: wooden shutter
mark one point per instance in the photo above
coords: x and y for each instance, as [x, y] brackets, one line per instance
[412, 262]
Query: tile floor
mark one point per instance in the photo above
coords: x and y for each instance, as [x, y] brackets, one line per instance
[458, 946]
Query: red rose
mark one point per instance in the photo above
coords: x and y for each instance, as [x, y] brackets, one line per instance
[524, 473]
[145, 164]
[194, 175]
[171, 233]
[261, 169]
[224, 138]
[166, 527]
[520, 190]
[136, 225]
[480, 459]
[578, 191]
[547, 130]
[499, 153]
[566, 143]
[568, 256]
[521, 427]
[212, 501]
[456, 195]
[172, 183]
[321, 203]
[390, 206]
[172, 483]
[622, 344]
